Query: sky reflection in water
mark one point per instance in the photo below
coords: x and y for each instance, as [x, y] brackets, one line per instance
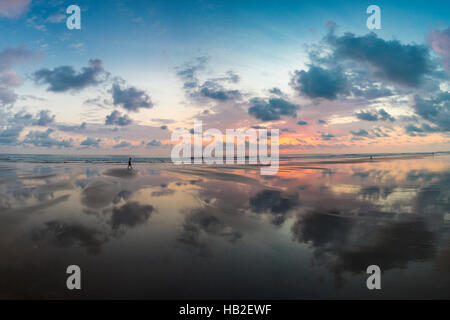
[222, 232]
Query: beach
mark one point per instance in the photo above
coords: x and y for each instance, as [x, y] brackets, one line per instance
[162, 231]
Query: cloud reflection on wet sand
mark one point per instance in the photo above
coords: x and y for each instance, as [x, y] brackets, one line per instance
[226, 232]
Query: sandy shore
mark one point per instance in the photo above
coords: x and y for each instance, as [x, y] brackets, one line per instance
[164, 231]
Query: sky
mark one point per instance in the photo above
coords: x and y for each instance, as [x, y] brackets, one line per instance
[138, 70]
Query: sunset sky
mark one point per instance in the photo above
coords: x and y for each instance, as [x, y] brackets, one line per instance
[137, 70]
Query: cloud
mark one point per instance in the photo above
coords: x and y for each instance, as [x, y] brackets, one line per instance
[10, 57]
[116, 118]
[7, 96]
[43, 139]
[403, 64]
[22, 117]
[360, 133]
[65, 78]
[56, 18]
[122, 144]
[13, 8]
[131, 99]
[272, 109]
[374, 115]
[327, 136]
[202, 224]
[163, 127]
[440, 42]
[370, 91]
[273, 202]
[318, 82]
[154, 143]
[212, 88]
[163, 121]
[91, 142]
[10, 135]
[320, 121]
[65, 235]
[32, 23]
[215, 91]
[276, 91]
[188, 72]
[436, 110]
[44, 118]
[422, 130]
[130, 215]
[365, 241]
[302, 123]
[67, 128]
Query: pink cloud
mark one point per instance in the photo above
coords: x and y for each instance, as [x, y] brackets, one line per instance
[13, 8]
[440, 42]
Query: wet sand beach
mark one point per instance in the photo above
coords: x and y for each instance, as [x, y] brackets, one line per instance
[163, 231]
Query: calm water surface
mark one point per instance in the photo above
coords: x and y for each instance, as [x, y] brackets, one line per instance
[166, 231]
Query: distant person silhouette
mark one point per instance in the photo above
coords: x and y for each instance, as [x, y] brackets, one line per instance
[130, 167]
[371, 157]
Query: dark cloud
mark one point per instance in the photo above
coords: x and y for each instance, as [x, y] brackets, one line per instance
[69, 234]
[122, 144]
[272, 109]
[350, 245]
[43, 139]
[320, 121]
[122, 195]
[44, 118]
[374, 115]
[318, 82]
[273, 202]
[65, 78]
[202, 222]
[421, 130]
[163, 127]
[327, 136]
[361, 133]
[188, 72]
[91, 142]
[276, 91]
[99, 193]
[116, 118]
[154, 143]
[130, 215]
[73, 128]
[10, 135]
[400, 63]
[131, 98]
[435, 110]
[213, 90]
[371, 92]
[302, 123]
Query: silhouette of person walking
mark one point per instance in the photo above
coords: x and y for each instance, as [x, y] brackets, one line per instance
[130, 167]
